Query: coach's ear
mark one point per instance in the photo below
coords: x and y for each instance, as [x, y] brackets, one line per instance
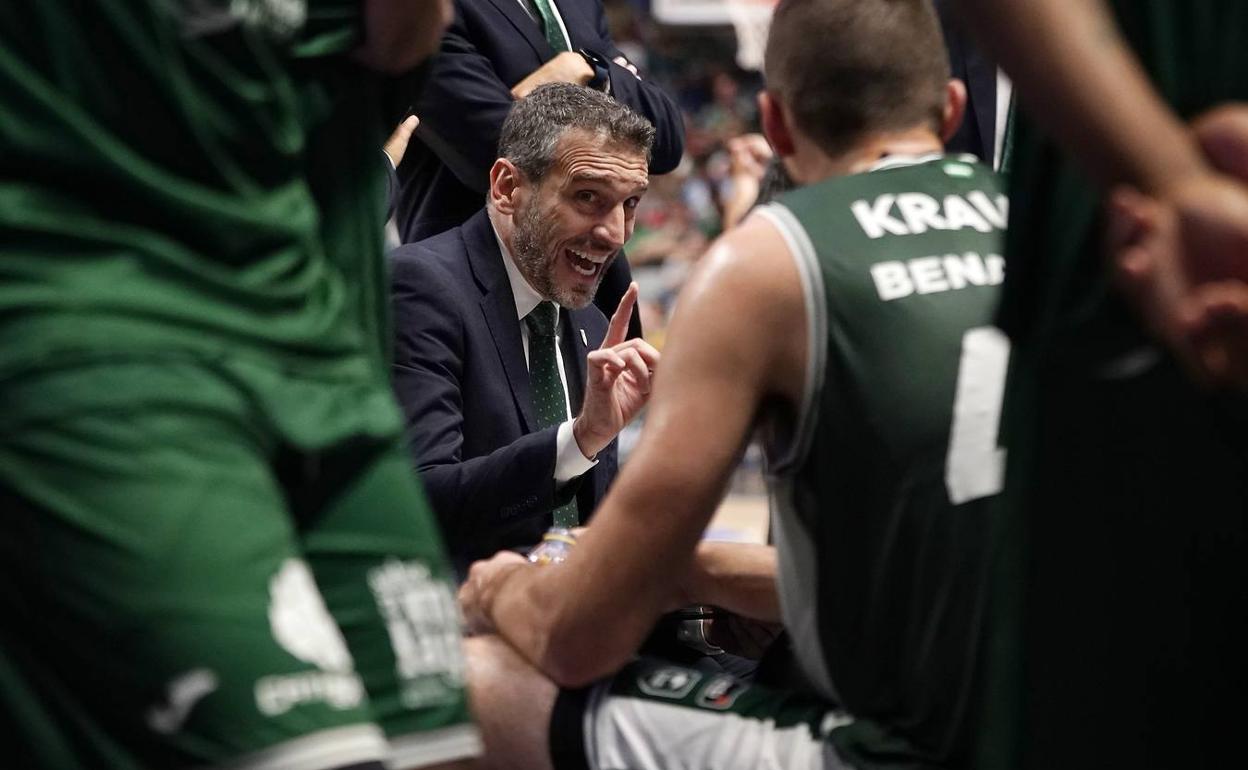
[775, 123]
[506, 186]
[954, 110]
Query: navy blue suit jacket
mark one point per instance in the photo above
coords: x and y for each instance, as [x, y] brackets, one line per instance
[489, 47]
[461, 377]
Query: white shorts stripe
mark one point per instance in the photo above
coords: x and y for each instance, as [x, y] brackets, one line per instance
[323, 750]
[625, 733]
[432, 747]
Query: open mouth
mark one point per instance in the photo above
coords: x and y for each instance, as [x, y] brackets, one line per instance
[584, 264]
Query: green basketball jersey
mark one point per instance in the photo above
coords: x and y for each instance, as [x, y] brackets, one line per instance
[880, 487]
[1195, 54]
[155, 159]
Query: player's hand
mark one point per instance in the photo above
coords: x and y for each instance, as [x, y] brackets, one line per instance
[1183, 257]
[619, 375]
[566, 67]
[1183, 260]
[396, 146]
[1223, 136]
[477, 593]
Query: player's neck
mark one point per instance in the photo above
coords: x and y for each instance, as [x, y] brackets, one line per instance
[809, 164]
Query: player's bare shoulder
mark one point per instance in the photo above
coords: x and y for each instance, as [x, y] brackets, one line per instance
[750, 277]
[750, 264]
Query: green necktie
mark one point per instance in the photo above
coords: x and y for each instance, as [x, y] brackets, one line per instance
[549, 401]
[550, 26]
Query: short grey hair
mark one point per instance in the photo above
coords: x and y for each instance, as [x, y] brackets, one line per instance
[537, 122]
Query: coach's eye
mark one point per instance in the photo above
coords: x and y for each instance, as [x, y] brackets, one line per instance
[586, 196]
[632, 202]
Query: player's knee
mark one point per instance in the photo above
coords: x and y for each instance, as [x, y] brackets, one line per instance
[512, 702]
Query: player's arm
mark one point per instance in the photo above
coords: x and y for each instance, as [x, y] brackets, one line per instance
[1075, 73]
[737, 341]
[739, 577]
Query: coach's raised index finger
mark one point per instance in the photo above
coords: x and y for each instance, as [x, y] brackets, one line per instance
[617, 329]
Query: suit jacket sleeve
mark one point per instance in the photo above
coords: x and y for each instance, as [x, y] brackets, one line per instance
[649, 100]
[462, 107]
[465, 101]
[469, 496]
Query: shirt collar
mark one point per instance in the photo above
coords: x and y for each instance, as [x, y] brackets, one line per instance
[525, 295]
[898, 161]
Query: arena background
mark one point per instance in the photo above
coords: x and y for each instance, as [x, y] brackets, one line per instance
[706, 54]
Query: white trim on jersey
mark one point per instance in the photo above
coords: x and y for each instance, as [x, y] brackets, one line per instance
[781, 457]
[431, 747]
[626, 733]
[904, 161]
[322, 750]
[796, 558]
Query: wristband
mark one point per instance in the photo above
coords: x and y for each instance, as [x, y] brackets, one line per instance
[601, 67]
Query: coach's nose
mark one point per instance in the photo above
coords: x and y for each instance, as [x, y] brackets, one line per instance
[612, 229]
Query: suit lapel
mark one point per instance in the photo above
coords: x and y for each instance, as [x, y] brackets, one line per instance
[575, 23]
[582, 332]
[573, 352]
[528, 28]
[498, 305]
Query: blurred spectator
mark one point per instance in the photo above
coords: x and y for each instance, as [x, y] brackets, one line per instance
[750, 158]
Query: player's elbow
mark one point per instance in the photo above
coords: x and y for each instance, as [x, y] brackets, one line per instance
[573, 668]
[576, 657]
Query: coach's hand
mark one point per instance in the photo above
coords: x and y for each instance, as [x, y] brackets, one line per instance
[476, 595]
[619, 375]
[566, 67]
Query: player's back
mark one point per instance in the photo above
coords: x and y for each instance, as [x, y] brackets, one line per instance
[881, 487]
[153, 194]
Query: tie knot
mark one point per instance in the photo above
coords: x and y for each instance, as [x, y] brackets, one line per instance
[542, 319]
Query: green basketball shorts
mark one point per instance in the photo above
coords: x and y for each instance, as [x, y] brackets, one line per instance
[189, 578]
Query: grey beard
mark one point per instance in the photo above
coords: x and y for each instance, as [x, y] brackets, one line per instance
[537, 266]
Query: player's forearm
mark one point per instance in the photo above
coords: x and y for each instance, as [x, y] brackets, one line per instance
[583, 619]
[1076, 76]
[565, 628]
[739, 577]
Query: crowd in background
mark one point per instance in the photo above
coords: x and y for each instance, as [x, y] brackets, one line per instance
[683, 211]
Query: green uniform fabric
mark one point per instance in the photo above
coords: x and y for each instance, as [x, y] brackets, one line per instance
[881, 498]
[153, 189]
[197, 419]
[1123, 531]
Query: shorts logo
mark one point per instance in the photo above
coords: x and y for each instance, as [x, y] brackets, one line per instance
[422, 620]
[302, 625]
[721, 692]
[183, 692]
[671, 682]
[300, 621]
[281, 18]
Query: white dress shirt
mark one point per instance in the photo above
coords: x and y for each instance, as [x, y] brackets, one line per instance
[569, 462]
